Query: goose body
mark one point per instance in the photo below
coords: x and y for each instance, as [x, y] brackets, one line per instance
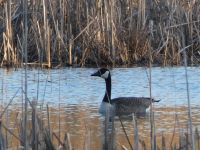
[121, 105]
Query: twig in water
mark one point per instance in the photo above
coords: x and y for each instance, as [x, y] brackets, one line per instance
[9, 131]
[125, 133]
[124, 148]
[136, 138]
[188, 99]
[9, 103]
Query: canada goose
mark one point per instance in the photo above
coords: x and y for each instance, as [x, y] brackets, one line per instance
[122, 105]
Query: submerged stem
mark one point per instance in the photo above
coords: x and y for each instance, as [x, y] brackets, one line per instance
[188, 99]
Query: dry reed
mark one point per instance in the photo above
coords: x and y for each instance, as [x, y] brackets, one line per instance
[111, 32]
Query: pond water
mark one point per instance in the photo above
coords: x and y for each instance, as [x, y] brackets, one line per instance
[78, 97]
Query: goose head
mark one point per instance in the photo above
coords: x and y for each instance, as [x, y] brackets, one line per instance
[103, 73]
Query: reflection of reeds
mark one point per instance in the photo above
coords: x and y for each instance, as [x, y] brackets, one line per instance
[189, 105]
[109, 129]
[42, 135]
[2, 139]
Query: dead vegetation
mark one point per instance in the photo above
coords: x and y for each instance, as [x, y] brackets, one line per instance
[103, 32]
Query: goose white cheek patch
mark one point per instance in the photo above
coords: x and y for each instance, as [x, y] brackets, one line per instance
[105, 75]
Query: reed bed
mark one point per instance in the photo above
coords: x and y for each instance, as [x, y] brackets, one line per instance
[104, 32]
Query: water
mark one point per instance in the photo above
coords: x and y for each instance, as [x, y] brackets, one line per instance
[79, 96]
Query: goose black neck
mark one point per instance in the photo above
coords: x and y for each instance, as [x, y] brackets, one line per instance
[107, 96]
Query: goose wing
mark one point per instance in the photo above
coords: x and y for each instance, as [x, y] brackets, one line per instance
[133, 101]
[127, 105]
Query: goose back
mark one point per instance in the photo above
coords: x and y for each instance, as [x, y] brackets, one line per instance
[129, 105]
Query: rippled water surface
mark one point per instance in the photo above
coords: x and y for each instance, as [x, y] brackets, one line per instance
[79, 95]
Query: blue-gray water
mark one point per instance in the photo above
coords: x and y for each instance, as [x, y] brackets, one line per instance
[80, 94]
[76, 86]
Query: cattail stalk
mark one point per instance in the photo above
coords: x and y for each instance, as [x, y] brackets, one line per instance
[25, 35]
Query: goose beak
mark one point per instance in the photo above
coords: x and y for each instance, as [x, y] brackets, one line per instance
[96, 74]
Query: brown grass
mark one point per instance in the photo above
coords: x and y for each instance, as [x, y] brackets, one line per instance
[100, 32]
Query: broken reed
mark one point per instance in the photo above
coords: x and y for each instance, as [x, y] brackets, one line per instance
[77, 32]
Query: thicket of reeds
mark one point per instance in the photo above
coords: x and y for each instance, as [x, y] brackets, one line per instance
[104, 32]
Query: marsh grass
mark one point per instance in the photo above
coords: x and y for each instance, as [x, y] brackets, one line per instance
[111, 32]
